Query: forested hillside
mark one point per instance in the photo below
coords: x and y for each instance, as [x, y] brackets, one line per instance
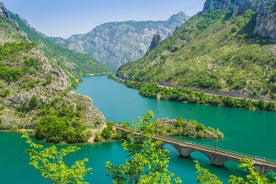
[215, 51]
[35, 92]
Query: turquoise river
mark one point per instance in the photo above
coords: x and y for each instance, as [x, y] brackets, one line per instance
[249, 132]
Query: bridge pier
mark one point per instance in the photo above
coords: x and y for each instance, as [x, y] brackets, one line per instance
[183, 151]
[262, 169]
[215, 159]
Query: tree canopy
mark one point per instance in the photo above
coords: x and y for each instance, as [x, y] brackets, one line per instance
[49, 162]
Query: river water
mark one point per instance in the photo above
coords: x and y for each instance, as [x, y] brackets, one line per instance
[247, 132]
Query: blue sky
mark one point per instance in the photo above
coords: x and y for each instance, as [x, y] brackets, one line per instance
[66, 17]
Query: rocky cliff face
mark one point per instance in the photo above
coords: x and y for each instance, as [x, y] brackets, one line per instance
[266, 17]
[240, 6]
[217, 4]
[116, 43]
[3, 11]
[155, 41]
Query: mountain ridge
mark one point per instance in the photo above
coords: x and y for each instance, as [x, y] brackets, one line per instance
[115, 43]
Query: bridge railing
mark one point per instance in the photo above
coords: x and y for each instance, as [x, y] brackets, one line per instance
[216, 147]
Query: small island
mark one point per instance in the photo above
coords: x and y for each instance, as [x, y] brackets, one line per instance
[163, 127]
[186, 128]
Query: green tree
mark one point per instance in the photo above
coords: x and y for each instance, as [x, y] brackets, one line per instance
[147, 162]
[252, 177]
[107, 132]
[205, 176]
[49, 162]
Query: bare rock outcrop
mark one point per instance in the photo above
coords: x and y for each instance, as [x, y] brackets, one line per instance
[217, 4]
[266, 13]
[3, 11]
[266, 19]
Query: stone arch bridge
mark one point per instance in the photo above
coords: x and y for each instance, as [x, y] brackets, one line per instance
[216, 156]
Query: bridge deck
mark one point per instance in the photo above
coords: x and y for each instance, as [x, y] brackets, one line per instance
[215, 151]
[229, 154]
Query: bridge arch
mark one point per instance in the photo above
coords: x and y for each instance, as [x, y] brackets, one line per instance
[200, 156]
[171, 148]
[232, 165]
[214, 158]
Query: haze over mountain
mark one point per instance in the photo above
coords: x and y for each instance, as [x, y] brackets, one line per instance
[116, 43]
[229, 48]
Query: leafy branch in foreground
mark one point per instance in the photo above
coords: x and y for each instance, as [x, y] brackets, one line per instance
[147, 162]
[49, 162]
[252, 177]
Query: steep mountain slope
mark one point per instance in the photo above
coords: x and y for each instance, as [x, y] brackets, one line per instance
[217, 51]
[116, 43]
[34, 92]
[71, 62]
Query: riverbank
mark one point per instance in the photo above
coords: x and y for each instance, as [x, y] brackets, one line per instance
[186, 95]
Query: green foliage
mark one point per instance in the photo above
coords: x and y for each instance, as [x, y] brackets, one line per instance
[25, 107]
[108, 133]
[149, 89]
[188, 128]
[9, 49]
[52, 128]
[31, 63]
[98, 137]
[14, 65]
[14, 128]
[55, 121]
[10, 31]
[4, 93]
[60, 123]
[147, 162]
[10, 74]
[204, 176]
[153, 90]
[49, 162]
[252, 177]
